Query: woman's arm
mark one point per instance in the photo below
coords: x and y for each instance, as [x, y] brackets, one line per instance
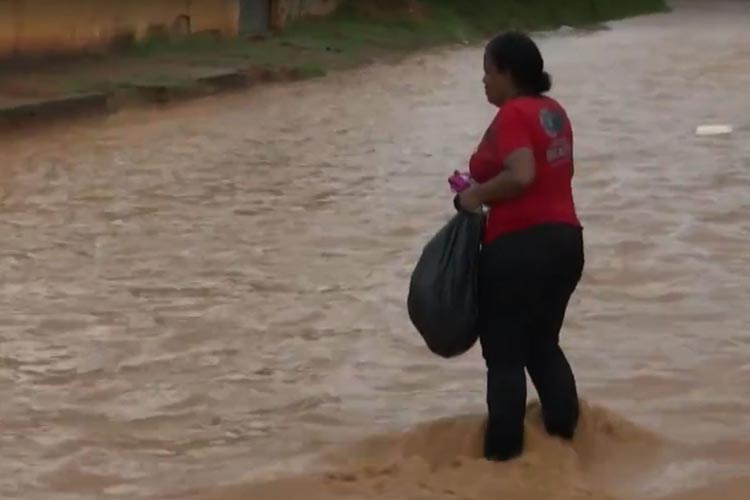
[517, 175]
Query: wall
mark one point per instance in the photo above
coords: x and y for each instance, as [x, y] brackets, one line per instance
[58, 26]
[7, 30]
[284, 11]
[69, 26]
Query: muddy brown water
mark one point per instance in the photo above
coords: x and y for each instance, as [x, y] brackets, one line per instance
[208, 301]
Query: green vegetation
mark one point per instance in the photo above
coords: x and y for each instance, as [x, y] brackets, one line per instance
[362, 29]
[486, 17]
[356, 30]
[359, 31]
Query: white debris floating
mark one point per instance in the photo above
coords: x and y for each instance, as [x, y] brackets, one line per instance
[706, 130]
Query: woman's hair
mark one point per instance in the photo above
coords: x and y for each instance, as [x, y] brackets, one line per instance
[517, 53]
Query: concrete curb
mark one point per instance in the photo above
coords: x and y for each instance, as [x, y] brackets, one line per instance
[226, 79]
[56, 107]
[199, 84]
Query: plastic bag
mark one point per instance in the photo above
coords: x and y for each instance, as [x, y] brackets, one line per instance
[443, 301]
[460, 181]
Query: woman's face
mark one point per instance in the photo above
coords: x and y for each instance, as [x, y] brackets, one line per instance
[498, 86]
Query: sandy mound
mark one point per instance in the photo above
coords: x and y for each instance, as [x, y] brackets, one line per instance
[442, 460]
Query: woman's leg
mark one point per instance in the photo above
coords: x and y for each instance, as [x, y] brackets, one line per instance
[502, 333]
[506, 397]
[553, 377]
[547, 365]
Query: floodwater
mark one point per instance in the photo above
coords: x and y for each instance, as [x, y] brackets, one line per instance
[208, 302]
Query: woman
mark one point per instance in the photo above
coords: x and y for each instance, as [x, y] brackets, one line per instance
[532, 257]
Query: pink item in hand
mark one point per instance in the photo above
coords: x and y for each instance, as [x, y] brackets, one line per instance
[459, 182]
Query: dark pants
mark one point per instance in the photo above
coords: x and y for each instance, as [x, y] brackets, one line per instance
[526, 280]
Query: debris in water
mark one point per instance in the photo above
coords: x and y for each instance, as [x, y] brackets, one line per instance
[706, 130]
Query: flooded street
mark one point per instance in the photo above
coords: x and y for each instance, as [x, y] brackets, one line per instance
[200, 299]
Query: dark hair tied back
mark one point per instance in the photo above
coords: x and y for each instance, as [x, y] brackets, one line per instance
[517, 53]
[543, 84]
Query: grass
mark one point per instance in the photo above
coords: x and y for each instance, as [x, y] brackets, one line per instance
[359, 31]
[486, 17]
[448, 21]
[348, 36]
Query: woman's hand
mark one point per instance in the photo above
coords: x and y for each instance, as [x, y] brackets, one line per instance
[517, 175]
[469, 200]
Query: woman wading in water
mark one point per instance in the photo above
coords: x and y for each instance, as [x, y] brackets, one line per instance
[532, 258]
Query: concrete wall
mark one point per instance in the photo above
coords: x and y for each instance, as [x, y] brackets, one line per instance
[7, 28]
[59, 26]
[284, 11]
[70, 26]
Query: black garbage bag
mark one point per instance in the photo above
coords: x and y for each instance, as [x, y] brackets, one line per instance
[443, 300]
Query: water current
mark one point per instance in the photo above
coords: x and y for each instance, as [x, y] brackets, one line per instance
[208, 301]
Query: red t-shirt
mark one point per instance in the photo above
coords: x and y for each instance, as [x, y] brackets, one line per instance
[541, 124]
